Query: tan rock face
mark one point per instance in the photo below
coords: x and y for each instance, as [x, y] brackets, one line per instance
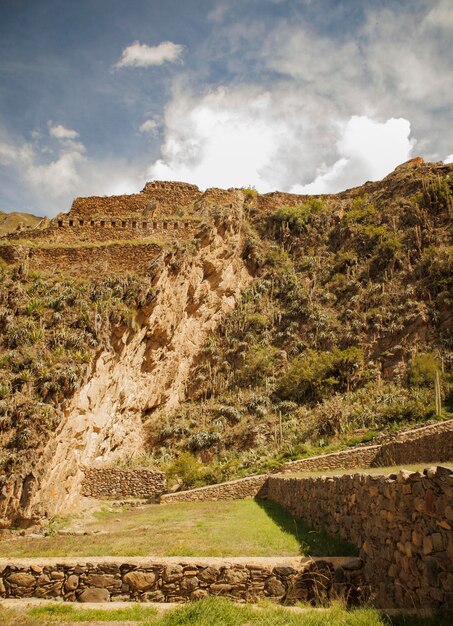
[146, 370]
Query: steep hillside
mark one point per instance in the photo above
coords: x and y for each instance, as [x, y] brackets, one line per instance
[337, 340]
[278, 326]
[84, 361]
[10, 222]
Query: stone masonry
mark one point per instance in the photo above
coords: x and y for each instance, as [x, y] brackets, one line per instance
[152, 579]
[402, 524]
[116, 483]
[249, 487]
[419, 445]
[426, 444]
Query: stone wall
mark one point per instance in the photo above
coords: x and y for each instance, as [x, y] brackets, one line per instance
[426, 444]
[419, 445]
[250, 487]
[180, 579]
[402, 523]
[69, 230]
[90, 260]
[117, 483]
[156, 197]
[103, 229]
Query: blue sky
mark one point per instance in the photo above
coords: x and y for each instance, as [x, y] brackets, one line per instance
[98, 96]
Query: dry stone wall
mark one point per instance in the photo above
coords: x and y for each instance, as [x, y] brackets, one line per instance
[155, 198]
[117, 483]
[426, 444]
[182, 579]
[250, 487]
[88, 260]
[402, 523]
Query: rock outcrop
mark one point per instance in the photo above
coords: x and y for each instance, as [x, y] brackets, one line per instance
[143, 372]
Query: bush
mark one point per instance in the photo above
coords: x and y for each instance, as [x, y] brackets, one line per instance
[317, 375]
[202, 439]
[296, 218]
[232, 414]
[422, 370]
[260, 363]
[437, 196]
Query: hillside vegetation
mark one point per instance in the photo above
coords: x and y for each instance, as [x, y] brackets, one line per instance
[51, 327]
[340, 337]
[344, 333]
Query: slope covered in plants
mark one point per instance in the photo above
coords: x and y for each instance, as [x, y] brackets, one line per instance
[344, 334]
[290, 325]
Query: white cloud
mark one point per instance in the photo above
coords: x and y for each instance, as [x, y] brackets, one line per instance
[449, 159]
[60, 132]
[368, 150]
[441, 16]
[59, 176]
[141, 55]
[149, 127]
[11, 154]
[222, 139]
[243, 136]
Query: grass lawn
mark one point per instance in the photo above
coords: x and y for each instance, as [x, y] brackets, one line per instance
[231, 528]
[208, 612]
[394, 469]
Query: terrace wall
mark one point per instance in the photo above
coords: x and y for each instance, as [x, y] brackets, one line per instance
[89, 260]
[117, 483]
[419, 445]
[249, 487]
[179, 579]
[157, 197]
[402, 523]
[71, 230]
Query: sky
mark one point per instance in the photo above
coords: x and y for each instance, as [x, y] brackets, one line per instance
[306, 96]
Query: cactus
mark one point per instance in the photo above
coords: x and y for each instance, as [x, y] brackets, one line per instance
[438, 394]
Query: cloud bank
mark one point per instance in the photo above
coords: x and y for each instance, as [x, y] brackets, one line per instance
[218, 140]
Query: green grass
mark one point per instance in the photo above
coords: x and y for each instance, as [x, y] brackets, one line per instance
[41, 243]
[375, 471]
[211, 612]
[222, 529]
[68, 613]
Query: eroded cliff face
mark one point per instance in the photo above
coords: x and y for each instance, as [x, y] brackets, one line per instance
[143, 372]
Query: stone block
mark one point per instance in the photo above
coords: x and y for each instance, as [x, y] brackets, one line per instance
[103, 580]
[140, 581]
[21, 579]
[94, 594]
[71, 583]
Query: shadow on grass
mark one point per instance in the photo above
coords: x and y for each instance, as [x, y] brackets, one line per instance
[312, 542]
[439, 618]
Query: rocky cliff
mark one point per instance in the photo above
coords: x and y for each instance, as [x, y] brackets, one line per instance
[280, 326]
[143, 370]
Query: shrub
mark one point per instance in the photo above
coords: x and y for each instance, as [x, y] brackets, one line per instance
[296, 218]
[436, 266]
[202, 439]
[437, 196]
[249, 192]
[232, 414]
[186, 469]
[422, 370]
[260, 363]
[317, 375]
